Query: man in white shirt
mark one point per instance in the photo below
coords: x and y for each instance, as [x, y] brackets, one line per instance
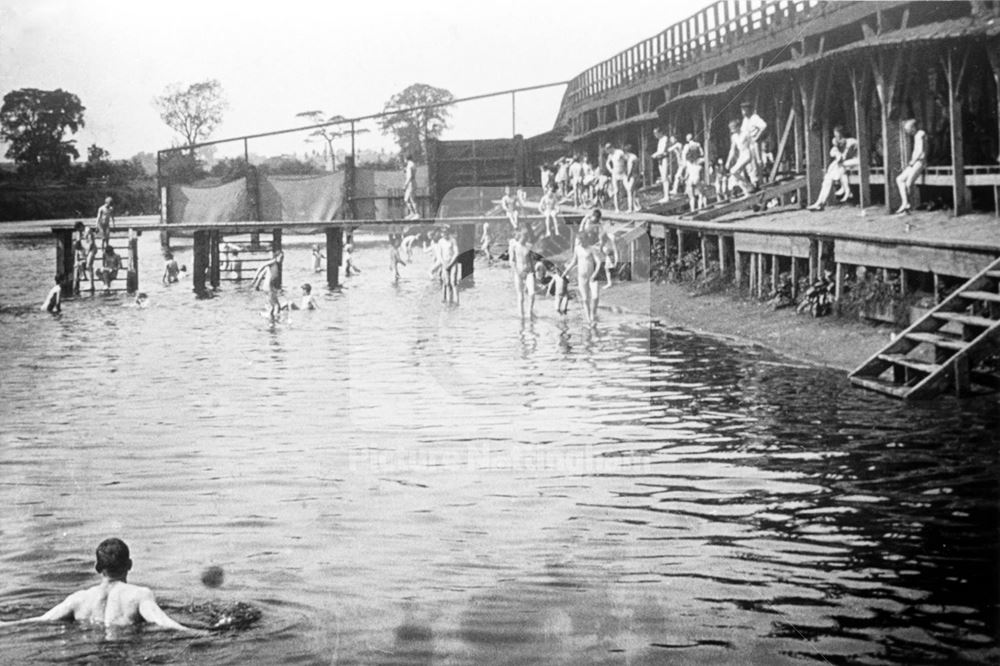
[912, 169]
[752, 128]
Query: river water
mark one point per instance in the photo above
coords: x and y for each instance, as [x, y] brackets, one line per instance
[392, 480]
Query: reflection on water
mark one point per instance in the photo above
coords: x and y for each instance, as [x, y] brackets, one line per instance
[395, 481]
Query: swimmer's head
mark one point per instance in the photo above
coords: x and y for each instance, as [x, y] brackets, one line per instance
[113, 558]
[78, 225]
[689, 137]
[657, 132]
[838, 131]
[596, 213]
[746, 108]
[307, 288]
[910, 125]
[734, 125]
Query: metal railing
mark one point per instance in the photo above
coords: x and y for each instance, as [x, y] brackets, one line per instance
[720, 24]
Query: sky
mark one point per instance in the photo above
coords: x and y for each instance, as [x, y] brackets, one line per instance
[276, 59]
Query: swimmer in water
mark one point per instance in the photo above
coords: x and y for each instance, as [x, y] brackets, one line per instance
[523, 265]
[141, 299]
[308, 300]
[588, 267]
[349, 267]
[114, 601]
[171, 271]
[53, 301]
[317, 257]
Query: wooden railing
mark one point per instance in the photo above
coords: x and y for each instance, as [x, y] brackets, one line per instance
[718, 25]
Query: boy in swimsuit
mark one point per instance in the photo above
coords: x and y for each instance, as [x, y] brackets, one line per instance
[272, 270]
[317, 257]
[740, 160]
[106, 218]
[410, 188]
[616, 167]
[918, 160]
[111, 264]
[588, 271]
[450, 268]
[510, 206]
[549, 208]
[171, 271]
[53, 301]
[395, 261]
[349, 267]
[308, 300]
[631, 177]
[662, 157]
[522, 263]
[487, 240]
[114, 601]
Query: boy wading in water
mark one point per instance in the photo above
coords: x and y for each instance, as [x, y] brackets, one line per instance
[272, 269]
[450, 268]
[523, 265]
[114, 601]
[588, 270]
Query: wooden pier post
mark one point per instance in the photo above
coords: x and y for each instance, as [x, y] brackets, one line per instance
[859, 85]
[811, 92]
[738, 277]
[132, 275]
[213, 259]
[886, 68]
[960, 196]
[334, 255]
[200, 260]
[65, 260]
[276, 247]
[465, 237]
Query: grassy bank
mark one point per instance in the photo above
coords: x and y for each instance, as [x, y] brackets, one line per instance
[830, 341]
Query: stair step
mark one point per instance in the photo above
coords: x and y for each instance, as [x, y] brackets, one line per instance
[970, 320]
[980, 296]
[993, 274]
[881, 386]
[906, 361]
[937, 340]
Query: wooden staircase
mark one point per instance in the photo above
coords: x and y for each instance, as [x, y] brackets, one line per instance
[942, 348]
[754, 201]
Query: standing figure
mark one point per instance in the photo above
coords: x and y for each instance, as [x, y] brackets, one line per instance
[317, 258]
[615, 164]
[410, 189]
[106, 219]
[587, 271]
[676, 150]
[576, 179]
[662, 157]
[631, 177]
[740, 160]
[511, 206]
[752, 128]
[912, 170]
[487, 241]
[395, 261]
[522, 263]
[450, 268]
[272, 271]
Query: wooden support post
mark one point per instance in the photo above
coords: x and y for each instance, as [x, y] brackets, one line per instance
[811, 91]
[334, 255]
[838, 286]
[132, 274]
[859, 86]
[722, 254]
[465, 236]
[276, 247]
[752, 277]
[781, 145]
[954, 73]
[795, 277]
[937, 288]
[680, 244]
[814, 267]
[962, 381]
[253, 203]
[761, 263]
[993, 53]
[707, 109]
[903, 289]
[797, 125]
[200, 261]
[819, 257]
[704, 254]
[774, 273]
[213, 259]
[738, 271]
[65, 261]
[886, 68]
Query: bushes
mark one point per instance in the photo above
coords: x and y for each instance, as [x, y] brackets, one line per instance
[61, 202]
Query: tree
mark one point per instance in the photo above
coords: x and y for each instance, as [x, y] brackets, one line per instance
[330, 133]
[96, 154]
[35, 123]
[193, 112]
[414, 128]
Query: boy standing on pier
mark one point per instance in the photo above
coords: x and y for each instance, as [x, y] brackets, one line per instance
[106, 218]
[662, 158]
[410, 188]
[631, 177]
[616, 164]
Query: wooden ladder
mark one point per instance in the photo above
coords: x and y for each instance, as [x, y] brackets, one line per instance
[941, 348]
[755, 200]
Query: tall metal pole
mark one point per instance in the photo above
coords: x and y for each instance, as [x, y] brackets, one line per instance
[352, 142]
[246, 152]
[513, 113]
